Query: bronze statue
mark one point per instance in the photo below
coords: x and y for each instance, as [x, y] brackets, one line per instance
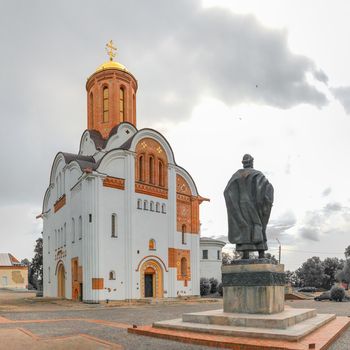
[249, 198]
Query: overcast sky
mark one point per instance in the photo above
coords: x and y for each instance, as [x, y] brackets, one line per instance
[218, 78]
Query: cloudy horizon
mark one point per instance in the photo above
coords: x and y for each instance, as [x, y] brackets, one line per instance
[218, 78]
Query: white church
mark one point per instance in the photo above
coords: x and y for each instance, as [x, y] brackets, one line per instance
[120, 218]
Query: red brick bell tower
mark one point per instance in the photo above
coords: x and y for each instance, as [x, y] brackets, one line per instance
[111, 95]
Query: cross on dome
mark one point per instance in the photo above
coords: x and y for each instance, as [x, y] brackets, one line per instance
[110, 50]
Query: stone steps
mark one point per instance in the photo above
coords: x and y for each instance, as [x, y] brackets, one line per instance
[282, 320]
[292, 333]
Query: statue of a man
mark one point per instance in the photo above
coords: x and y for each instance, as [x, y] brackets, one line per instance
[249, 198]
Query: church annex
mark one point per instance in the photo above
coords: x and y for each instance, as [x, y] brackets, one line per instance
[120, 218]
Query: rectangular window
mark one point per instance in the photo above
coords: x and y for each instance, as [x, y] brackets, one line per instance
[218, 252]
[205, 254]
[90, 217]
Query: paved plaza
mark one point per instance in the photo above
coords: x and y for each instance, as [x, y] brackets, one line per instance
[27, 322]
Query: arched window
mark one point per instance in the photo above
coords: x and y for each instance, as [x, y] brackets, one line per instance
[158, 207]
[151, 206]
[141, 161]
[60, 185]
[92, 108]
[160, 173]
[80, 227]
[105, 104]
[145, 205]
[183, 234]
[151, 170]
[114, 225]
[139, 204]
[152, 244]
[183, 267]
[73, 230]
[122, 104]
[65, 234]
[112, 275]
[163, 208]
[49, 274]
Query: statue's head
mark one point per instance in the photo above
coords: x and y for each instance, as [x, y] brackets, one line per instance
[247, 161]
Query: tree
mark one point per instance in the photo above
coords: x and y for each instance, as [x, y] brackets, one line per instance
[292, 278]
[311, 273]
[36, 266]
[271, 257]
[25, 262]
[347, 252]
[344, 274]
[331, 267]
[227, 257]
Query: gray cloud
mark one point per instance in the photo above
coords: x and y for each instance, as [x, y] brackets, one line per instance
[177, 50]
[310, 233]
[327, 191]
[321, 222]
[278, 228]
[332, 207]
[342, 94]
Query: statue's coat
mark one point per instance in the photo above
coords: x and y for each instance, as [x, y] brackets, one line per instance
[249, 198]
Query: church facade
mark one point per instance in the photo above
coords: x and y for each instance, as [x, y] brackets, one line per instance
[120, 217]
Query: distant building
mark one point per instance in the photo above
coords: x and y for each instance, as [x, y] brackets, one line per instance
[13, 274]
[210, 263]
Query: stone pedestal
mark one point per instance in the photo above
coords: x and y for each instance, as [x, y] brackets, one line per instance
[253, 287]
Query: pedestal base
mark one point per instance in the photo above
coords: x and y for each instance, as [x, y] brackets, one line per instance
[253, 287]
[291, 324]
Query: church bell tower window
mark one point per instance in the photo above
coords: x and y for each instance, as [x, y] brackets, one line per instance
[105, 104]
[122, 104]
[92, 109]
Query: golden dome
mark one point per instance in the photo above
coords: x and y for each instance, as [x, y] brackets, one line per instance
[111, 65]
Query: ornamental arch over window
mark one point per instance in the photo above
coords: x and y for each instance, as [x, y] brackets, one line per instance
[139, 204]
[145, 205]
[153, 168]
[158, 207]
[152, 244]
[151, 206]
[112, 275]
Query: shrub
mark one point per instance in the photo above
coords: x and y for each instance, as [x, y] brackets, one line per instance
[204, 286]
[213, 285]
[337, 293]
[220, 289]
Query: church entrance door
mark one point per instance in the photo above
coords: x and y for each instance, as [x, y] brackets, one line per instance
[149, 285]
[151, 279]
[61, 285]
